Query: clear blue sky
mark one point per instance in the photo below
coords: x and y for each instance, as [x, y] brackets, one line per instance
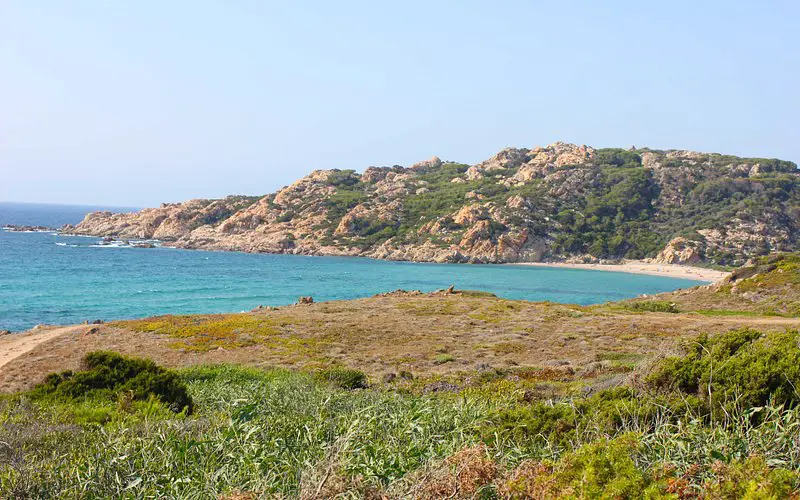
[139, 102]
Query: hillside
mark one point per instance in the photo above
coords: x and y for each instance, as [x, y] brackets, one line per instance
[555, 202]
[768, 285]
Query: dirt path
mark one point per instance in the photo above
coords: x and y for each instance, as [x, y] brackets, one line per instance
[15, 345]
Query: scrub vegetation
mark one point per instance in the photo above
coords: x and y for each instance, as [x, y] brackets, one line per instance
[664, 431]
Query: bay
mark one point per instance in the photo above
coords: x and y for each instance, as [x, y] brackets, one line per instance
[53, 279]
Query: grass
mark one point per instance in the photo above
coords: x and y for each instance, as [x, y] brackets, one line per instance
[750, 314]
[282, 433]
[430, 308]
[508, 347]
[443, 358]
[496, 311]
[207, 332]
[254, 431]
[344, 378]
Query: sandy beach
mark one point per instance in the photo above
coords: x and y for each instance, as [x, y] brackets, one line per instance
[16, 344]
[641, 267]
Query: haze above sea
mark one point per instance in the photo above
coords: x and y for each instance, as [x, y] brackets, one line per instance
[52, 279]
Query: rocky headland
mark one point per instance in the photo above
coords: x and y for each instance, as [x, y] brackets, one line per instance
[562, 202]
[16, 228]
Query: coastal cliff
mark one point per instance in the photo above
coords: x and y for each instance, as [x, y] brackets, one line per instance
[560, 202]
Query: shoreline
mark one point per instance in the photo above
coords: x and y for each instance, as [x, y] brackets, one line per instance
[700, 274]
[694, 273]
[641, 267]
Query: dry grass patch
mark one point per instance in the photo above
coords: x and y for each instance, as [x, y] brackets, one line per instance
[206, 332]
[385, 334]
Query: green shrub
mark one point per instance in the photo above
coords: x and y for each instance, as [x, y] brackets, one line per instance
[107, 374]
[577, 419]
[603, 469]
[653, 306]
[272, 433]
[346, 378]
[477, 294]
[743, 368]
[536, 422]
[441, 359]
[285, 217]
[343, 178]
[751, 478]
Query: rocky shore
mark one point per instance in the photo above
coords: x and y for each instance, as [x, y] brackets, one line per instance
[556, 203]
[14, 228]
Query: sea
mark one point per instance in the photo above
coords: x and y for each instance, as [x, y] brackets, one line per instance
[47, 278]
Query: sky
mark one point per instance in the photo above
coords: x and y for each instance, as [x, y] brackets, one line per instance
[134, 103]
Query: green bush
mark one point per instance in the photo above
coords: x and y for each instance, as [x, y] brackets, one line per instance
[653, 306]
[604, 469]
[441, 359]
[751, 478]
[538, 421]
[605, 413]
[343, 178]
[278, 433]
[107, 374]
[743, 368]
[346, 378]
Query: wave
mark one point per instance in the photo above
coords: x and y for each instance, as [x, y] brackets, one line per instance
[12, 230]
[127, 244]
[109, 245]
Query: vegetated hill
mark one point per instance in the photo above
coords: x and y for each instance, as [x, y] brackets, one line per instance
[768, 285]
[556, 202]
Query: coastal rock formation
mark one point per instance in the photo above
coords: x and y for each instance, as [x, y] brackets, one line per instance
[556, 202]
[15, 228]
[680, 251]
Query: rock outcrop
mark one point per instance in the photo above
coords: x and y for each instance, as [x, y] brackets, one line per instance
[680, 251]
[555, 202]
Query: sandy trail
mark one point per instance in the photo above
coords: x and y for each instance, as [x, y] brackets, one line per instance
[16, 344]
[641, 267]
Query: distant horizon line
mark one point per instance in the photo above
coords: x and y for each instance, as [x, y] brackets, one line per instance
[77, 205]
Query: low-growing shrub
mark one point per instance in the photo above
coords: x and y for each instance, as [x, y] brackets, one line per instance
[751, 478]
[577, 419]
[536, 422]
[602, 469]
[277, 433]
[346, 378]
[443, 358]
[108, 374]
[606, 468]
[653, 306]
[743, 368]
[477, 294]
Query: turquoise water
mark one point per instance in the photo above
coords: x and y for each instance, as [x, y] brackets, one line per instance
[45, 278]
